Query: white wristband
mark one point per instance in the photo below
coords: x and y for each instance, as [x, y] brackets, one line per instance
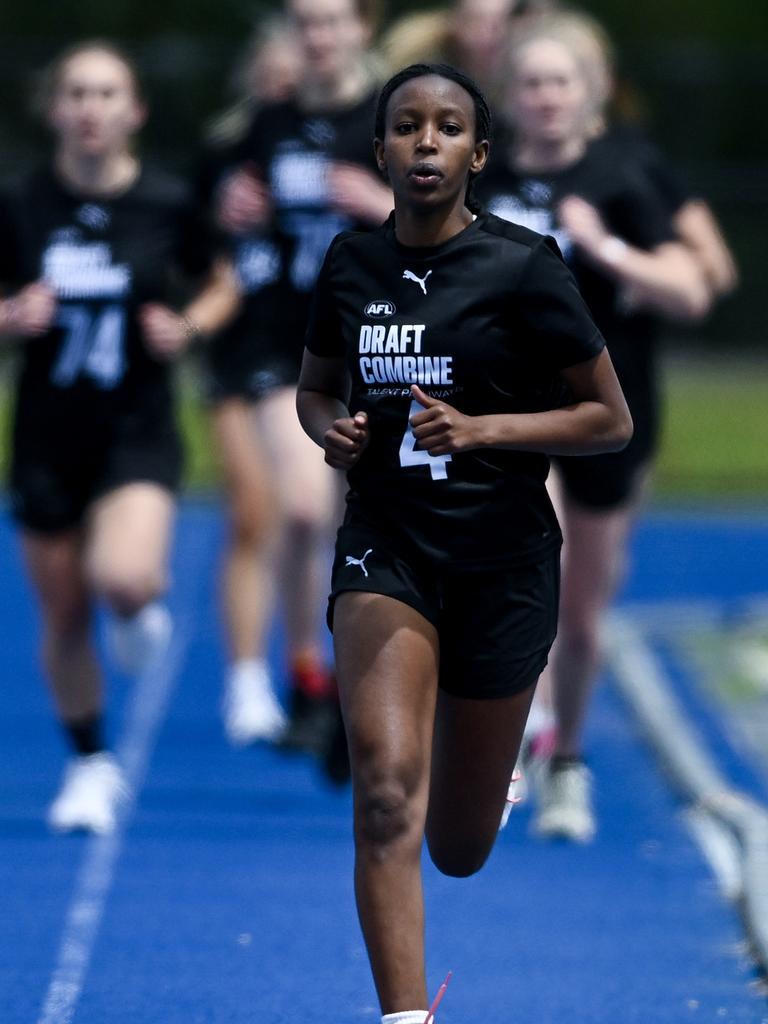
[192, 329]
[612, 250]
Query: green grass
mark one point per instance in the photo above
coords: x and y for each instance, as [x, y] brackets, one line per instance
[200, 466]
[715, 438]
[715, 653]
[715, 441]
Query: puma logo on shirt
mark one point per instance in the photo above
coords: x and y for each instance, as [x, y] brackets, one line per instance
[409, 275]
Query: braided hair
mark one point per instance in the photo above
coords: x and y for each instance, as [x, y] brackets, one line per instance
[483, 120]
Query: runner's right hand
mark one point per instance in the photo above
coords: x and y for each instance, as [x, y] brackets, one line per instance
[30, 313]
[243, 202]
[346, 441]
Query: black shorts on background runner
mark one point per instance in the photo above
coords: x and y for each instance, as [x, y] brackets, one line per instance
[604, 482]
[53, 487]
[241, 371]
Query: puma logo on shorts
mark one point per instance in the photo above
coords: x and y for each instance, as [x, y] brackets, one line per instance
[351, 560]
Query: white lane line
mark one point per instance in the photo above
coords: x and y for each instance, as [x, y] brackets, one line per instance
[721, 849]
[668, 618]
[146, 713]
[649, 692]
[644, 682]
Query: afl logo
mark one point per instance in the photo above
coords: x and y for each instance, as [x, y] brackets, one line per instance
[380, 308]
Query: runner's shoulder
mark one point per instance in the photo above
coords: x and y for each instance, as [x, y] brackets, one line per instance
[164, 188]
[27, 185]
[351, 245]
[522, 239]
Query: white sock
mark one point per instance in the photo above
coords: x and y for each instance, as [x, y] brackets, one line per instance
[248, 667]
[405, 1017]
[540, 719]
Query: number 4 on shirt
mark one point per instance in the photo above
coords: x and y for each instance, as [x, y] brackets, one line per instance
[410, 455]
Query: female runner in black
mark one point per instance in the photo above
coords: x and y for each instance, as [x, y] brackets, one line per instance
[448, 353]
[558, 176]
[303, 171]
[87, 247]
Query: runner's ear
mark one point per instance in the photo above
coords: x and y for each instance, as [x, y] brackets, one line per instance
[378, 152]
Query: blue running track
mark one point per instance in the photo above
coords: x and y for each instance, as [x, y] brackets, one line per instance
[227, 898]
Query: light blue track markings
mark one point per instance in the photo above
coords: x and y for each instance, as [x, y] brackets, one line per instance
[148, 708]
[144, 717]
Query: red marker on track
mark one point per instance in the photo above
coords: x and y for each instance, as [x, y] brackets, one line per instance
[429, 1019]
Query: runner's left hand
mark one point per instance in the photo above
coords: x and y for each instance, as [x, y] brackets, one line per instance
[166, 334]
[441, 429]
[582, 223]
[359, 193]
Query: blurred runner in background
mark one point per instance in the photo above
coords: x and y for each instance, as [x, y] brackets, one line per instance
[88, 244]
[268, 72]
[268, 75]
[621, 129]
[474, 35]
[302, 171]
[558, 174]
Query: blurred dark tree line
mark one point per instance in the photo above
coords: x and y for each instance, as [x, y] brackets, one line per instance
[699, 69]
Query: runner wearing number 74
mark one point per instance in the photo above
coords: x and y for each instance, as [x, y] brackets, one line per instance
[87, 246]
[448, 354]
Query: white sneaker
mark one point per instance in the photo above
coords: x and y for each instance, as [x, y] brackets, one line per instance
[90, 796]
[516, 794]
[251, 709]
[564, 803]
[136, 642]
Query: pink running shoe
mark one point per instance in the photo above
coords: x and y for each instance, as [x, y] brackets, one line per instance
[517, 792]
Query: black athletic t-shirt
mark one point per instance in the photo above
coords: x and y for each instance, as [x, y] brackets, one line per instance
[104, 258]
[622, 142]
[259, 258]
[484, 321]
[627, 200]
[292, 152]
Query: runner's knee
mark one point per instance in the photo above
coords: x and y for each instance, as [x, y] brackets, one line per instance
[304, 525]
[128, 590]
[579, 635]
[459, 859]
[67, 618]
[251, 523]
[385, 814]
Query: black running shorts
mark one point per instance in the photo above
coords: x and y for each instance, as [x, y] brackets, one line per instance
[235, 368]
[601, 482]
[496, 625]
[606, 482]
[52, 487]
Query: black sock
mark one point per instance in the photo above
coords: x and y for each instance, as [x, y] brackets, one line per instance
[86, 734]
[561, 761]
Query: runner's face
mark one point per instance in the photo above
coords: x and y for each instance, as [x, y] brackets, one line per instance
[276, 70]
[549, 100]
[331, 34]
[429, 146]
[481, 28]
[95, 109]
